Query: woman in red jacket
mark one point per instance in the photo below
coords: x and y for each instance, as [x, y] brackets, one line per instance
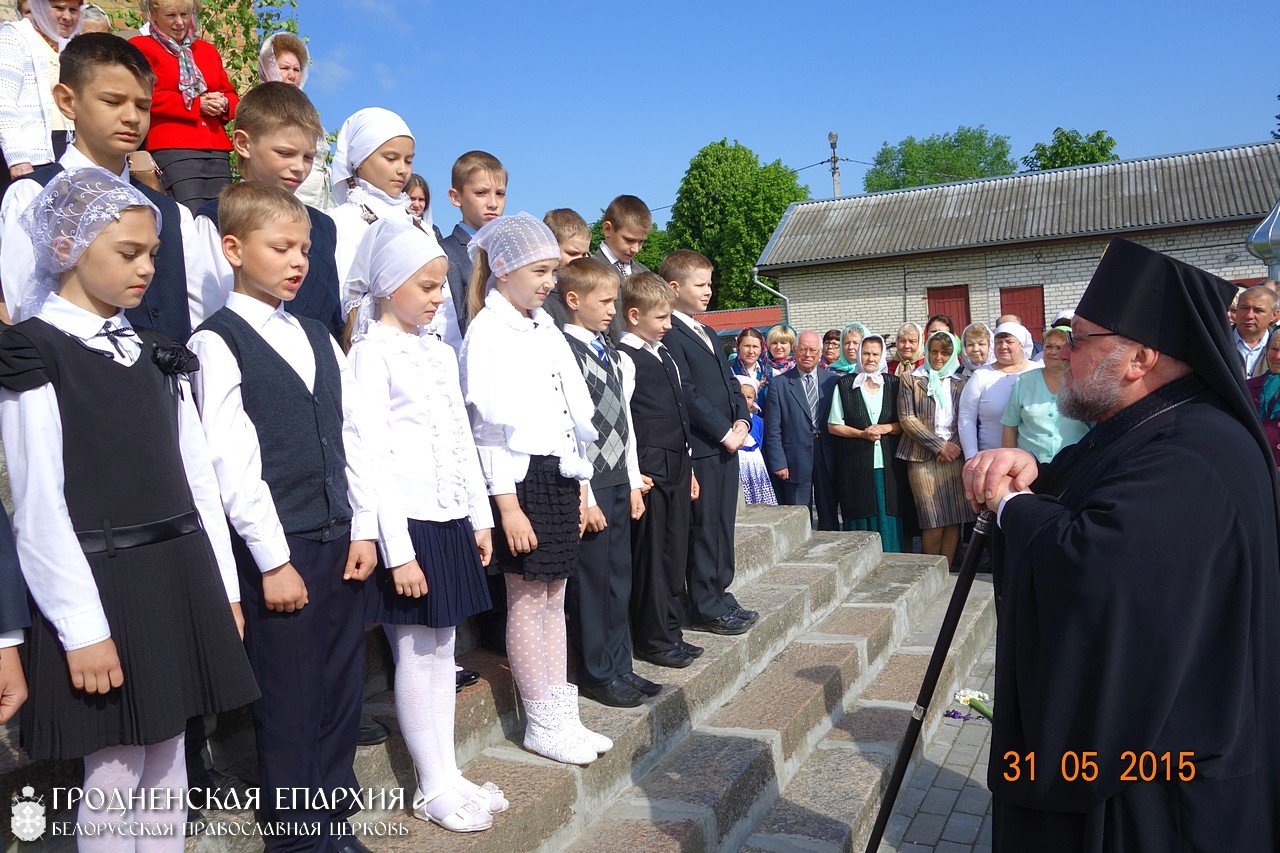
[192, 103]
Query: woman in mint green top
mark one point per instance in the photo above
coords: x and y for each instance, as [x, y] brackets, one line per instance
[1031, 419]
[870, 481]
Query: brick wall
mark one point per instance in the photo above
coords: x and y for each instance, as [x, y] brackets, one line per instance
[885, 293]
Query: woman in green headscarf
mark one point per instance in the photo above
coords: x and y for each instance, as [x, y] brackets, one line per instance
[850, 339]
[1265, 390]
[928, 404]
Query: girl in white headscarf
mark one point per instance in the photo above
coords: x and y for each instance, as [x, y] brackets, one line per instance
[284, 58]
[32, 131]
[530, 422]
[410, 383]
[987, 393]
[372, 162]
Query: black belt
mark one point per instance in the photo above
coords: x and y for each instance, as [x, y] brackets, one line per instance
[110, 539]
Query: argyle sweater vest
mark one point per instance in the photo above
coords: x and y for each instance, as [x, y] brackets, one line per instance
[608, 453]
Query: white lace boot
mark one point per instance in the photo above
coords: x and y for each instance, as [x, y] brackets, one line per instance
[568, 694]
[548, 732]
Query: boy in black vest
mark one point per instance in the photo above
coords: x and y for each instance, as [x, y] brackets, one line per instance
[104, 88]
[600, 592]
[275, 139]
[660, 539]
[277, 401]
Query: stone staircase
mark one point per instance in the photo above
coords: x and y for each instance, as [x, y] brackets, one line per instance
[778, 739]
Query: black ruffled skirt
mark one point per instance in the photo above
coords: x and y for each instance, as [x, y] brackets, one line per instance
[456, 588]
[178, 647]
[550, 500]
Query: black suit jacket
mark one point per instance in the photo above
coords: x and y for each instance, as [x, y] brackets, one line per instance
[712, 396]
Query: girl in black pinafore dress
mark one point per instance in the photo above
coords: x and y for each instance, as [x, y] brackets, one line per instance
[111, 409]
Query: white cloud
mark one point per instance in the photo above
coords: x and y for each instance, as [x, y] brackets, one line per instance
[331, 71]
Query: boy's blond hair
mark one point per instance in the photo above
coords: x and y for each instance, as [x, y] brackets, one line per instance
[475, 161]
[246, 207]
[628, 210]
[646, 291]
[585, 276]
[565, 223]
[677, 265]
[274, 106]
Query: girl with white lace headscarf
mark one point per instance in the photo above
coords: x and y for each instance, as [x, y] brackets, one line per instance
[32, 131]
[284, 58]
[531, 413]
[419, 422]
[372, 161]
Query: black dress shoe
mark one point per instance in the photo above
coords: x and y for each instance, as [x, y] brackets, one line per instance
[748, 616]
[673, 657]
[727, 623]
[372, 732]
[354, 846]
[690, 649]
[467, 677]
[644, 685]
[616, 694]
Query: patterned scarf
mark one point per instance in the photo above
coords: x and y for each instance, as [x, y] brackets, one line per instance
[190, 81]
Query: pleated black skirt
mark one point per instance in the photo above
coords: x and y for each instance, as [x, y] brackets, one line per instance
[550, 500]
[178, 647]
[193, 177]
[456, 588]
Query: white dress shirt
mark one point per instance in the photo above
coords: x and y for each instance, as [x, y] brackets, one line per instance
[418, 424]
[614, 260]
[628, 370]
[525, 395]
[53, 562]
[17, 260]
[233, 439]
[1250, 354]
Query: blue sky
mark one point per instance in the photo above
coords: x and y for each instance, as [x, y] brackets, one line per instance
[583, 101]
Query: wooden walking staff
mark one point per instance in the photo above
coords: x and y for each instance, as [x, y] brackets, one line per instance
[968, 568]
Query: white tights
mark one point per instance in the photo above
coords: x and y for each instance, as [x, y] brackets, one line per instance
[128, 769]
[537, 647]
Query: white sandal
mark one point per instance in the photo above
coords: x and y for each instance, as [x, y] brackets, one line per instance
[471, 816]
[491, 797]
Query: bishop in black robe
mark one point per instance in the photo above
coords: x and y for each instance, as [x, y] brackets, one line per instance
[1138, 645]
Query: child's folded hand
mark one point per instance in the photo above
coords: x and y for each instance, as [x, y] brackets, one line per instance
[648, 484]
[637, 502]
[13, 684]
[484, 541]
[595, 520]
[362, 557]
[694, 489]
[520, 536]
[283, 589]
[96, 668]
[409, 580]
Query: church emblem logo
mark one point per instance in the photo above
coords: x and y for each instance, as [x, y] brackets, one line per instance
[27, 818]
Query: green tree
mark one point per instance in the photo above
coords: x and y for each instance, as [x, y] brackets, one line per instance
[655, 247]
[1071, 148]
[970, 152]
[726, 208]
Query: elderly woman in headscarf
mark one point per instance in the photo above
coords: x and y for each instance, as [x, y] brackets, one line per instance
[928, 402]
[33, 131]
[976, 343]
[192, 102]
[870, 479]
[850, 339]
[284, 58]
[907, 356]
[1265, 390]
[987, 393]
[372, 162]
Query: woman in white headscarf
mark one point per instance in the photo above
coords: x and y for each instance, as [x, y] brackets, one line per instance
[284, 58]
[870, 479]
[372, 162]
[32, 131]
[987, 392]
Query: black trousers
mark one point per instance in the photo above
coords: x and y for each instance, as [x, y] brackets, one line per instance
[310, 669]
[710, 567]
[598, 597]
[660, 551]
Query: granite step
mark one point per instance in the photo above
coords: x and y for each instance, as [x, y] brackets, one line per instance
[719, 782]
[830, 803]
[552, 803]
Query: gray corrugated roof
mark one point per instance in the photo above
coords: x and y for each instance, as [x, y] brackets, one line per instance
[1224, 184]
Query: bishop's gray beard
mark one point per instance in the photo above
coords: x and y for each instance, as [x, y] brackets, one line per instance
[1096, 396]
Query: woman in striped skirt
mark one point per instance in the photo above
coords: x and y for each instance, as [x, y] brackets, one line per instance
[928, 402]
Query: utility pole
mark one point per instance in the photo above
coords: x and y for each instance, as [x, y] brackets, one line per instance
[833, 138]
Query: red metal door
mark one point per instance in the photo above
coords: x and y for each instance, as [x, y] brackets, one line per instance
[952, 301]
[1027, 303]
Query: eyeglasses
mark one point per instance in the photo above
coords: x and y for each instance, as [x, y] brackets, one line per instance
[807, 349]
[1072, 337]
